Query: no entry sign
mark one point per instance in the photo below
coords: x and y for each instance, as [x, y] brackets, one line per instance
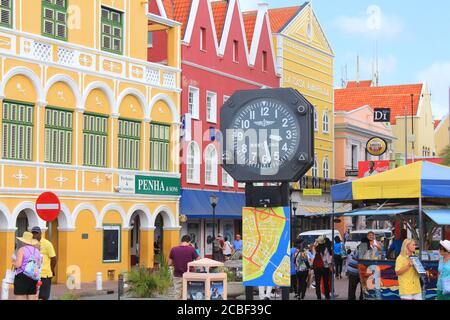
[48, 206]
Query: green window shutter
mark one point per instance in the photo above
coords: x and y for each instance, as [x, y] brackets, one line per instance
[17, 131]
[160, 146]
[6, 13]
[129, 144]
[58, 136]
[112, 31]
[54, 19]
[95, 140]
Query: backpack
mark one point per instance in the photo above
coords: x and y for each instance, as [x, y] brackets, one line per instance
[318, 261]
[300, 263]
[33, 268]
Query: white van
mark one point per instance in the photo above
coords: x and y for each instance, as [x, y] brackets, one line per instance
[310, 237]
[356, 236]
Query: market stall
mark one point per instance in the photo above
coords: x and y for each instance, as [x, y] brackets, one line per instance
[418, 195]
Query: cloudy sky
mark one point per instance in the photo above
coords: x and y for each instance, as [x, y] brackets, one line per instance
[413, 40]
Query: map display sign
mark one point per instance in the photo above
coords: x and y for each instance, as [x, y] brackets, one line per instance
[266, 250]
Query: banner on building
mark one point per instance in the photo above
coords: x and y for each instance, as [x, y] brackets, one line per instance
[266, 251]
[149, 185]
[371, 168]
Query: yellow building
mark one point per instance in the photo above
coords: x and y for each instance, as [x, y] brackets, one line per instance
[305, 62]
[86, 116]
[442, 135]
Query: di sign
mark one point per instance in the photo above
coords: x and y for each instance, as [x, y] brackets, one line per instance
[149, 185]
[382, 115]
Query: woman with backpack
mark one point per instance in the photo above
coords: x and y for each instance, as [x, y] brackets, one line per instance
[27, 262]
[321, 265]
[302, 267]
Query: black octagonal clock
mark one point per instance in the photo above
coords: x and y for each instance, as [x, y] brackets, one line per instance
[267, 135]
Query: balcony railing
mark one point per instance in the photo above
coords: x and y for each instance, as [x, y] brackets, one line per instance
[80, 58]
[308, 182]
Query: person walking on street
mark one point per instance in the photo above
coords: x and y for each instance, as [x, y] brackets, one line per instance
[443, 286]
[179, 258]
[408, 278]
[48, 263]
[227, 249]
[218, 248]
[302, 267]
[346, 235]
[338, 252]
[294, 250]
[353, 276]
[27, 262]
[321, 265]
[237, 243]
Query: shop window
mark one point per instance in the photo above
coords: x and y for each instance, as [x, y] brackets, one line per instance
[6, 13]
[95, 137]
[58, 136]
[159, 147]
[129, 144]
[112, 31]
[54, 19]
[17, 131]
[112, 243]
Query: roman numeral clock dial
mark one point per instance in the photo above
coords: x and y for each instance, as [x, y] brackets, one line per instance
[268, 135]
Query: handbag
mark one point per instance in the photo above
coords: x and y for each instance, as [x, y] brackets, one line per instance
[446, 286]
[10, 275]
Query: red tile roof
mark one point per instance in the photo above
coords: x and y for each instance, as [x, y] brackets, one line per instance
[279, 17]
[394, 97]
[219, 9]
[168, 7]
[360, 84]
[249, 24]
[181, 11]
[437, 123]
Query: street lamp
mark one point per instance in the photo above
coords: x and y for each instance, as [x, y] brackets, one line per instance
[294, 208]
[213, 200]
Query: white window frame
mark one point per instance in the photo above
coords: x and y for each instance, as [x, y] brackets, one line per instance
[195, 158]
[227, 180]
[315, 168]
[316, 121]
[211, 164]
[326, 170]
[195, 110]
[325, 122]
[202, 37]
[211, 110]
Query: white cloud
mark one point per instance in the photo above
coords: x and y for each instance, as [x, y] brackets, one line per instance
[249, 4]
[437, 76]
[373, 23]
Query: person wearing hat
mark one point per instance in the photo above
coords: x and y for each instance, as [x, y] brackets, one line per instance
[443, 286]
[321, 264]
[48, 263]
[25, 287]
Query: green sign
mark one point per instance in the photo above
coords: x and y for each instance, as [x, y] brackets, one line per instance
[157, 186]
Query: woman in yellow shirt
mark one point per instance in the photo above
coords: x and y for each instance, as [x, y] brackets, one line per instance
[408, 278]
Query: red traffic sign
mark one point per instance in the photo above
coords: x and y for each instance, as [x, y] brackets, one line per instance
[48, 206]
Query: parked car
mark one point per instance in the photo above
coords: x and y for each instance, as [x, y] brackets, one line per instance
[356, 236]
[310, 237]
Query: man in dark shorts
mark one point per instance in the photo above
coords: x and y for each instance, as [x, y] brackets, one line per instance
[48, 264]
[179, 258]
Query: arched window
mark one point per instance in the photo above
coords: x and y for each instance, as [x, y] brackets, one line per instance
[227, 180]
[325, 122]
[315, 168]
[326, 168]
[316, 121]
[211, 165]
[193, 163]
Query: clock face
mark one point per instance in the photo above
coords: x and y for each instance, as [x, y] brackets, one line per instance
[266, 135]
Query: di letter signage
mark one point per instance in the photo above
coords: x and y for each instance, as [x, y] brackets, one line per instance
[382, 115]
[268, 135]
